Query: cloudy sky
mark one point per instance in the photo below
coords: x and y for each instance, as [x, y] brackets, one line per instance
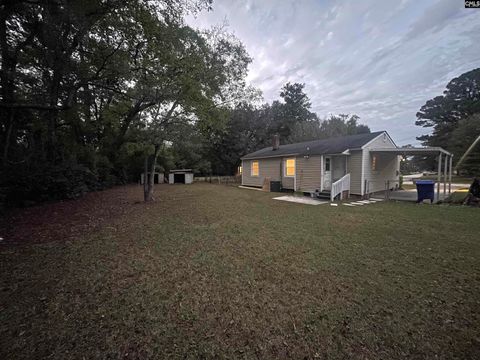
[379, 59]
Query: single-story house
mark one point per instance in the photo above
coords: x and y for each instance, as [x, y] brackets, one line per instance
[358, 164]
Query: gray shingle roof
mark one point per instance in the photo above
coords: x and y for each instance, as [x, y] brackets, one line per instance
[335, 145]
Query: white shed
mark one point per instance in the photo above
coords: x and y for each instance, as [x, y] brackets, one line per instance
[180, 176]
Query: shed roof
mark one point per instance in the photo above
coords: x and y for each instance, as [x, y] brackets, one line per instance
[181, 171]
[335, 145]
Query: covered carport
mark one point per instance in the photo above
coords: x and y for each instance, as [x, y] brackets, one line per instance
[444, 167]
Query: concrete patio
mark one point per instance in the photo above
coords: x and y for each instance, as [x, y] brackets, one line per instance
[411, 194]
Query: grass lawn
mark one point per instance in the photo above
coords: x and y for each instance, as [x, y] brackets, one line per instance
[212, 271]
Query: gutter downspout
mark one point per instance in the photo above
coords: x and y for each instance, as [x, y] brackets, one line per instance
[295, 177]
[243, 169]
[322, 175]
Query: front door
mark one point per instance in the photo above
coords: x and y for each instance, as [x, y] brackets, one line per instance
[327, 173]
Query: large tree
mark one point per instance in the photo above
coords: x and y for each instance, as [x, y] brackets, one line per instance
[452, 116]
[79, 78]
[292, 111]
[210, 71]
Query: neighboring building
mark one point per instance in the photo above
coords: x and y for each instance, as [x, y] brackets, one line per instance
[158, 178]
[180, 176]
[359, 164]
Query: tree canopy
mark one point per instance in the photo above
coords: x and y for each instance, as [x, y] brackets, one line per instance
[453, 118]
[81, 80]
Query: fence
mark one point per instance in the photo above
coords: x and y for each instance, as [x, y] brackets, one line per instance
[221, 180]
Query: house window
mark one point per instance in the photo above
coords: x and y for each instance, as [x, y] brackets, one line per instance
[239, 170]
[374, 162]
[327, 164]
[255, 168]
[290, 167]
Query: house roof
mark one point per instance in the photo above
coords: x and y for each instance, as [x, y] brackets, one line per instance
[335, 145]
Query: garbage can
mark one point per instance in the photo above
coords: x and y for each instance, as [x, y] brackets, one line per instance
[275, 186]
[425, 190]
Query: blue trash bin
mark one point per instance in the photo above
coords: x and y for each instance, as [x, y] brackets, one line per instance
[425, 190]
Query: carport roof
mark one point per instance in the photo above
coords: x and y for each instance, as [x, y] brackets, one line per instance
[413, 151]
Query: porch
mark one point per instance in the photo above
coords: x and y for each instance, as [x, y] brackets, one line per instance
[335, 178]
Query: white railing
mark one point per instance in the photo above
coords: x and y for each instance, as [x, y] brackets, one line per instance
[339, 186]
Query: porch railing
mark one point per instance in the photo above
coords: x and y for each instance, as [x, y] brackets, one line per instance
[339, 186]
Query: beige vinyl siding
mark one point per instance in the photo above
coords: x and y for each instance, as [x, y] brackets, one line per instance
[309, 173]
[337, 167]
[288, 182]
[387, 165]
[267, 168]
[380, 142]
[386, 169]
[355, 170]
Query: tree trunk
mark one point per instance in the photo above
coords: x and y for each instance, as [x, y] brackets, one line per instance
[145, 179]
[151, 179]
[7, 138]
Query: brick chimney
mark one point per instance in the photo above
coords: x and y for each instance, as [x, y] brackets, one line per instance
[275, 142]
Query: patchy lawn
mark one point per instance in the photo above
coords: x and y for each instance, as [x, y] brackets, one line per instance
[211, 271]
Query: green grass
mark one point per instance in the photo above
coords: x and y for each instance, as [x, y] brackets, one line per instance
[211, 271]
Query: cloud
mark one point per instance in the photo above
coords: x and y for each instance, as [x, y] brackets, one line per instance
[380, 60]
[435, 17]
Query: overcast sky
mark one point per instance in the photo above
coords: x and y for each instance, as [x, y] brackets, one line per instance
[379, 59]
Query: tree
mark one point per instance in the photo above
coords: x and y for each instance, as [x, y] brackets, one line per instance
[79, 79]
[210, 68]
[294, 110]
[245, 130]
[466, 132]
[249, 128]
[333, 126]
[451, 113]
[342, 125]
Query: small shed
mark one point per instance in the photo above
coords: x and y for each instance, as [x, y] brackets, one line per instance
[158, 178]
[180, 176]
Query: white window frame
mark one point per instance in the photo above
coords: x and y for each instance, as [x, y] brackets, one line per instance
[329, 158]
[285, 167]
[374, 163]
[251, 168]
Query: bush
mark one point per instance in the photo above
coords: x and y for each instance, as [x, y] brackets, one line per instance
[46, 183]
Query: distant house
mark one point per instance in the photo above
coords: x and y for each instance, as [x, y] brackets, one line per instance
[358, 164]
